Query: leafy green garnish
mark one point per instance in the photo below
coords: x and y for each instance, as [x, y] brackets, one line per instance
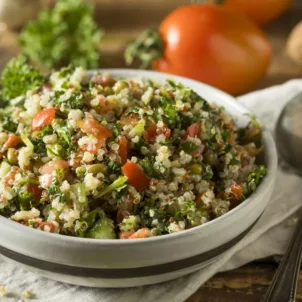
[254, 178]
[54, 190]
[9, 125]
[114, 167]
[27, 141]
[64, 133]
[148, 168]
[65, 34]
[189, 146]
[117, 185]
[171, 117]
[207, 172]
[37, 141]
[25, 200]
[253, 120]
[18, 77]
[75, 101]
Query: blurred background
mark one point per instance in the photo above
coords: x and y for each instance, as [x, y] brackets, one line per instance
[123, 21]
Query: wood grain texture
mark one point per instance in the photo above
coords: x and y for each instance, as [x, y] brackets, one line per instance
[246, 284]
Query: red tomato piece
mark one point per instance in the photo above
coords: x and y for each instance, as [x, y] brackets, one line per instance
[126, 235]
[198, 200]
[193, 130]
[123, 149]
[35, 191]
[141, 233]
[129, 119]
[12, 142]
[136, 176]
[43, 118]
[91, 126]
[54, 165]
[103, 80]
[153, 131]
[236, 190]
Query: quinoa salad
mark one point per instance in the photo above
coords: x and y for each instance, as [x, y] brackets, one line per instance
[107, 158]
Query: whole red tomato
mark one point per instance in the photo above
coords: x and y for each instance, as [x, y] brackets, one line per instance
[260, 11]
[209, 43]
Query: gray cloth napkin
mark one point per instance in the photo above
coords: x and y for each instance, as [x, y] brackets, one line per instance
[269, 237]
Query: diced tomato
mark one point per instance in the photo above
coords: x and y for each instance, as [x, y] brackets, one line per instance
[185, 109]
[35, 191]
[103, 80]
[129, 119]
[12, 142]
[236, 190]
[221, 195]
[91, 126]
[193, 130]
[234, 196]
[198, 200]
[43, 118]
[123, 149]
[141, 233]
[54, 165]
[46, 171]
[126, 235]
[136, 176]
[153, 131]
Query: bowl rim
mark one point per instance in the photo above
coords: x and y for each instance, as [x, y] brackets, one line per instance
[272, 164]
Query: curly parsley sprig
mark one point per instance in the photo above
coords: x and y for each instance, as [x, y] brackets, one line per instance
[63, 35]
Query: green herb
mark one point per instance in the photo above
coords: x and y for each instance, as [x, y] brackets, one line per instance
[18, 77]
[80, 171]
[116, 129]
[171, 117]
[189, 146]
[57, 151]
[254, 178]
[132, 109]
[27, 141]
[253, 120]
[114, 167]
[81, 227]
[65, 34]
[25, 200]
[75, 101]
[64, 133]
[117, 185]
[207, 172]
[25, 181]
[9, 125]
[148, 167]
[226, 135]
[54, 190]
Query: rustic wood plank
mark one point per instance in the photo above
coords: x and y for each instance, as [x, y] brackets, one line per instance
[246, 284]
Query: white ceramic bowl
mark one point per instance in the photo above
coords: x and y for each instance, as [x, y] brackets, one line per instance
[125, 263]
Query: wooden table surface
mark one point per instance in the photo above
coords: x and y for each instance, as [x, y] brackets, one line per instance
[122, 21]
